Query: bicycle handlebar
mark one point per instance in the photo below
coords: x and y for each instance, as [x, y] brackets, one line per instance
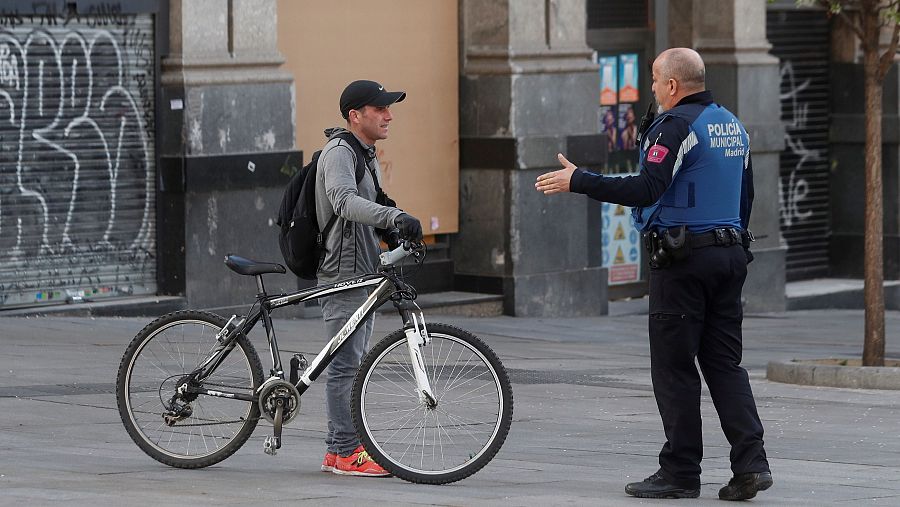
[396, 255]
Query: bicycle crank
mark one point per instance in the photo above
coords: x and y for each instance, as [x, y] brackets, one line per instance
[271, 392]
[279, 403]
[273, 443]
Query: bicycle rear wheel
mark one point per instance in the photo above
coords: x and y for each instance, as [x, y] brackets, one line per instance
[208, 429]
[433, 445]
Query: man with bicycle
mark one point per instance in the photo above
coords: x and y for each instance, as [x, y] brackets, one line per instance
[347, 185]
[692, 200]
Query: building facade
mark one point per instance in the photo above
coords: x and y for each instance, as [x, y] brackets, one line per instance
[142, 141]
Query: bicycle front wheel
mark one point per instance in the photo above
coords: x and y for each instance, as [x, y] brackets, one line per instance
[187, 431]
[440, 444]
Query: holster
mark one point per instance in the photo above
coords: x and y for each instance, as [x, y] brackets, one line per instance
[665, 247]
[677, 241]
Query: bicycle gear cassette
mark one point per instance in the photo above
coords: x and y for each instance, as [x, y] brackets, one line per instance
[274, 390]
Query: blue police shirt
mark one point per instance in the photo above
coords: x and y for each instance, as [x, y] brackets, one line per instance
[695, 170]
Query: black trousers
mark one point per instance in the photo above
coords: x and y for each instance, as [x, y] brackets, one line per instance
[695, 313]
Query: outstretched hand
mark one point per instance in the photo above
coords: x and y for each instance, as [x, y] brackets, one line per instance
[557, 181]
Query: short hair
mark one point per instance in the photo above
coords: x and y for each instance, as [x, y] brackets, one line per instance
[685, 66]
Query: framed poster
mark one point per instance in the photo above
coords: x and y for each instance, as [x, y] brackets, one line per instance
[628, 78]
[609, 125]
[621, 245]
[627, 139]
[608, 72]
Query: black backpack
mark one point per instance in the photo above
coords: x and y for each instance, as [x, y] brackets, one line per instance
[302, 243]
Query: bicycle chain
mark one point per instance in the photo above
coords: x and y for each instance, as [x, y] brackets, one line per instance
[214, 423]
[213, 384]
[224, 385]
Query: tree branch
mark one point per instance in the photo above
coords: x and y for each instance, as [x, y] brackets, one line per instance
[889, 13]
[848, 19]
[887, 59]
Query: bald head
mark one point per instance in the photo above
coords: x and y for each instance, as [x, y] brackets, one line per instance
[677, 73]
[685, 66]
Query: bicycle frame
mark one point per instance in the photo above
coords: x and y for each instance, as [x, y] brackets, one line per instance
[386, 286]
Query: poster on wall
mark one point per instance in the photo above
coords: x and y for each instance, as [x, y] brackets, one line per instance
[619, 103]
[627, 128]
[628, 77]
[621, 245]
[608, 73]
[619, 99]
[609, 125]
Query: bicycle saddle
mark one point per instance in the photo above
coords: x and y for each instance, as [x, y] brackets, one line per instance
[244, 266]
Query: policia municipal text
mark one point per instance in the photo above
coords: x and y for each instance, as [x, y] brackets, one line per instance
[692, 201]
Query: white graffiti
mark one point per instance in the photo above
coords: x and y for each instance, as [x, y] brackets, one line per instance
[9, 68]
[791, 195]
[75, 131]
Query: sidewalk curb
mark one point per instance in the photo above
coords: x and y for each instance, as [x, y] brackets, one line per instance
[854, 377]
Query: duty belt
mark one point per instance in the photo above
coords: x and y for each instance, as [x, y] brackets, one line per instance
[725, 236]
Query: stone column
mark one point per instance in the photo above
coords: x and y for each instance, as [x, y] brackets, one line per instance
[730, 35]
[226, 145]
[680, 23]
[528, 90]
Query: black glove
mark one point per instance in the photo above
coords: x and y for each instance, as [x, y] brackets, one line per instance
[392, 238]
[410, 228]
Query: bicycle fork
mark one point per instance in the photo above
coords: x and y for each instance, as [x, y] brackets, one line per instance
[416, 338]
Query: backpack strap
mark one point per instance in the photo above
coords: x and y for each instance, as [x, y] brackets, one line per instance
[363, 154]
[362, 163]
[362, 158]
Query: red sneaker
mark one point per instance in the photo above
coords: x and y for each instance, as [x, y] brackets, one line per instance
[359, 463]
[328, 462]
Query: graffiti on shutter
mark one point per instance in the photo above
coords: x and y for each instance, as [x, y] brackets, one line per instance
[800, 39]
[77, 175]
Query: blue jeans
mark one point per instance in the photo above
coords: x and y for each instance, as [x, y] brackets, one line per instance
[336, 311]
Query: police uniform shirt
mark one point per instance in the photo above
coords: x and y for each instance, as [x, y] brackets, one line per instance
[663, 150]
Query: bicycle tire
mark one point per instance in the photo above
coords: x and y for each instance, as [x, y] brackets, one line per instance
[161, 353]
[455, 360]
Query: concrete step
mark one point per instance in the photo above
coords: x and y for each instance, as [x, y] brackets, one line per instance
[845, 293]
[138, 306]
[463, 304]
[820, 293]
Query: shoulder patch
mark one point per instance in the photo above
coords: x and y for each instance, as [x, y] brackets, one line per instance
[657, 153]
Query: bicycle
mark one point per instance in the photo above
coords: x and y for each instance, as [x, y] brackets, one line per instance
[190, 387]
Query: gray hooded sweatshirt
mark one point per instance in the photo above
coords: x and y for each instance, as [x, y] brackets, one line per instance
[352, 247]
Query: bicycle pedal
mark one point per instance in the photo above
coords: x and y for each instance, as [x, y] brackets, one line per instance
[271, 445]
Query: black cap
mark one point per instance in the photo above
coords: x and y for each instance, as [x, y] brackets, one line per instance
[359, 94]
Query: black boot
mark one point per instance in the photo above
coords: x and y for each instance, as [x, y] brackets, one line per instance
[656, 486]
[745, 486]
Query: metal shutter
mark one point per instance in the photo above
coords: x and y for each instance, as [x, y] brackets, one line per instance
[617, 14]
[77, 174]
[800, 38]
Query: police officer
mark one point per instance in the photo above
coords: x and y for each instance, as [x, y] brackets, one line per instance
[692, 200]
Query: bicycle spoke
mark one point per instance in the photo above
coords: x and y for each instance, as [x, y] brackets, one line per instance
[440, 439]
[165, 357]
